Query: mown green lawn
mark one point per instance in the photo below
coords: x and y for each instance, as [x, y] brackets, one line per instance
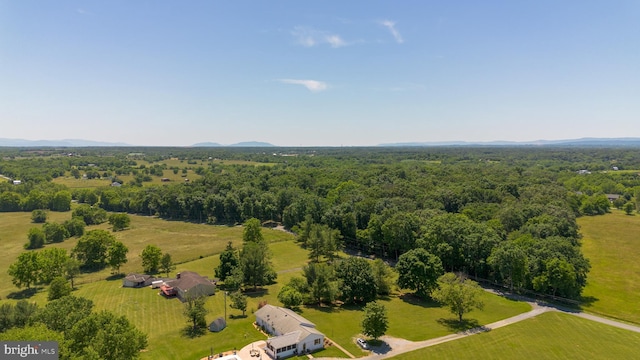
[612, 243]
[547, 336]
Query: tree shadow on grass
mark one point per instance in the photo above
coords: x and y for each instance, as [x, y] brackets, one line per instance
[232, 316]
[459, 326]
[22, 294]
[190, 332]
[115, 277]
[587, 301]
[416, 300]
[256, 293]
[328, 309]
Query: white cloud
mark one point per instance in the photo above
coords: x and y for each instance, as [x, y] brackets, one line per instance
[309, 37]
[391, 25]
[311, 85]
[335, 41]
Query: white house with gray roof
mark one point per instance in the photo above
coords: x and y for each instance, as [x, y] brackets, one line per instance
[292, 334]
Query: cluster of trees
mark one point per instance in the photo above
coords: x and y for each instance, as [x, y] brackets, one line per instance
[29, 198]
[94, 251]
[54, 233]
[250, 266]
[97, 249]
[153, 260]
[352, 280]
[33, 268]
[81, 333]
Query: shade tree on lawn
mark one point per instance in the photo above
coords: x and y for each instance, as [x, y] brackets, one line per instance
[92, 249]
[375, 320]
[419, 270]
[151, 256]
[460, 295]
[229, 260]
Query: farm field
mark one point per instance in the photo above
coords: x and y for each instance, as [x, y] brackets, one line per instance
[184, 241]
[550, 336]
[611, 244]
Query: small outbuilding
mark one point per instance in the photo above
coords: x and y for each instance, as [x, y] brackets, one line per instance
[137, 280]
[218, 324]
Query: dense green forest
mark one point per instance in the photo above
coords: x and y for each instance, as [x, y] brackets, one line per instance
[501, 213]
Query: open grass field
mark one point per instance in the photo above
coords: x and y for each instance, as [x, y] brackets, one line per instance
[184, 241]
[547, 336]
[73, 183]
[195, 248]
[171, 163]
[612, 243]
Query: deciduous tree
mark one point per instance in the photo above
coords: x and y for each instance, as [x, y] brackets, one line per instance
[375, 322]
[151, 256]
[92, 249]
[25, 271]
[195, 312]
[228, 261]
[356, 279]
[119, 221]
[166, 264]
[63, 313]
[238, 301]
[36, 239]
[290, 297]
[59, 287]
[459, 294]
[256, 264]
[111, 336]
[419, 270]
[39, 216]
[117, 256]
[55, 232]
[252, 231]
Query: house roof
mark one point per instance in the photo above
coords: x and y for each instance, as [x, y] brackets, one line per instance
[288, 323]
[189, 279]
[138, 277]
[285, 340]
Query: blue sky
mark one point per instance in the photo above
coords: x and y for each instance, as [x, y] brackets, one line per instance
[321, 73]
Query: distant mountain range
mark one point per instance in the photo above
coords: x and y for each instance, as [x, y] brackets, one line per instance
[608, 142]
[568, 142]
[240, 144]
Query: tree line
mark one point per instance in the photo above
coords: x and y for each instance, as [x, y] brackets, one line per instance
[464, 205]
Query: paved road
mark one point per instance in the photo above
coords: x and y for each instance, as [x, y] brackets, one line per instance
[395, 346]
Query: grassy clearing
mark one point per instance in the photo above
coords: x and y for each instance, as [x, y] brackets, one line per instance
[547, 336]
[611, 244]
[184, 241]
[13, 236]
[73, 183]
[183, 164]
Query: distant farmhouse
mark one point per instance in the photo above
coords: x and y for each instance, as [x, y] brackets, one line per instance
[293, 334]
[188, 284]
[137, 280]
